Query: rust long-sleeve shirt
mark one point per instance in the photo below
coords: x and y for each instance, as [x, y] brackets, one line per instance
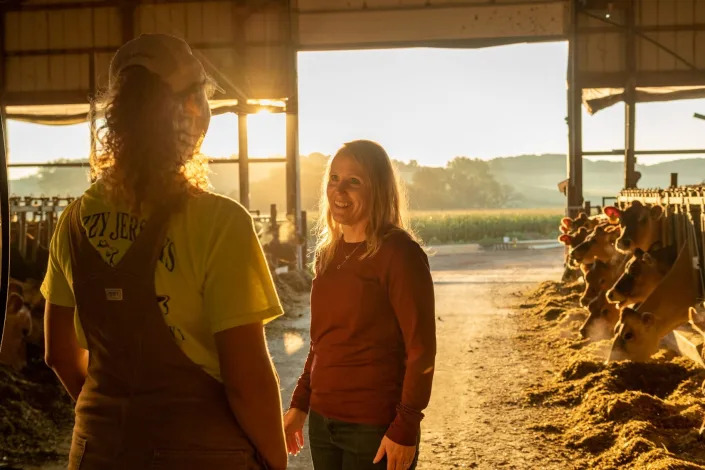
[373, 339]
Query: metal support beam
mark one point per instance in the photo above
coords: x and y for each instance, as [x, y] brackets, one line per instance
[5, 223]
[127, 18]
[243, 160]
[629, 140]
[575, 122]
[293, 177]
[630, 176]
[293, 185]
[3, 61]
[620, 152]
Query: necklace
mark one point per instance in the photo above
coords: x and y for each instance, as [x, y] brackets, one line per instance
[348, 256]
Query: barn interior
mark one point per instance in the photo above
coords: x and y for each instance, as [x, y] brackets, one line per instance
[54, 57]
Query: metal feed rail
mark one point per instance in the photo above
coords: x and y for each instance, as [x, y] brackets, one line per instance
[37, 216]
[690, 201]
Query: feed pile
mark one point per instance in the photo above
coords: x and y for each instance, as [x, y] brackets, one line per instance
[617, 415]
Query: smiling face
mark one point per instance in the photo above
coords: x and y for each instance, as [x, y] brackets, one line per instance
[349, 192]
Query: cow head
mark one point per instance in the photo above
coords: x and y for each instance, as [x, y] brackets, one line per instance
[641, 227]
[18, 325]
[642, 274]
[596, 281]
[598, 245]
[635, 337]
[601, 319]
[574, 239]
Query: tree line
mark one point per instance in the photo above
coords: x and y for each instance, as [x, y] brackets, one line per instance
[464, 183]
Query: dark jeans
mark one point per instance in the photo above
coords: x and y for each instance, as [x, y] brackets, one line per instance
[337, 445]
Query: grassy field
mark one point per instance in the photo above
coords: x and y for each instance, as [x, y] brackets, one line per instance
[485, 225]
[481, 225]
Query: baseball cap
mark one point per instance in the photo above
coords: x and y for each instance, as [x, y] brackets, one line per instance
[164, 55]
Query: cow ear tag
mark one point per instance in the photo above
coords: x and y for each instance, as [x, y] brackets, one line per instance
[611, 212]
[113, 295]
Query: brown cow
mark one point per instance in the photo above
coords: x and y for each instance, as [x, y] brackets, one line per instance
[570, 226]
[644, 271]
[638, 331]
[598, 245]
[697, 324]
[574, 239]
[641, 226]
[599, 277]
[18, 325]
[601, 319]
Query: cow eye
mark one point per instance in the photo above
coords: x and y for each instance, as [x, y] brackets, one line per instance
[628, 336]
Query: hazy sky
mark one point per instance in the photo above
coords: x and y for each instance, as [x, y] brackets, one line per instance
[424, 104]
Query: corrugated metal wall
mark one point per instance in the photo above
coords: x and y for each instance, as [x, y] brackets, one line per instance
[333, 24]
[55, 55]
[664, 31]
[58, 55]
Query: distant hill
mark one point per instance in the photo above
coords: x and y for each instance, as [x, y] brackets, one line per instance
[535, 178]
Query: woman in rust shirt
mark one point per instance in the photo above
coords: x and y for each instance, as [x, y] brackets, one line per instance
[373, 343]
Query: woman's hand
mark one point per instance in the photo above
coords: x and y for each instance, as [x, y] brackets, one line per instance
[294, 420]
[399, 457]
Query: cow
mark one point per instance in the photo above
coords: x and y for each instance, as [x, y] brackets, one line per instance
[643, 272]
[641, 226]
[639, 330]
[599, 277]
[696, 323]
[601, 319]
[18, 325]
[574, 238]
[35, 303]
[598, 245]
[569, 225]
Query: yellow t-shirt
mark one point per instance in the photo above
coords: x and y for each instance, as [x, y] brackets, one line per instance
[211, 275]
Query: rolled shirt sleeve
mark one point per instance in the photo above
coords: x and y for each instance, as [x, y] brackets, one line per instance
[411, 295]
[238, 287]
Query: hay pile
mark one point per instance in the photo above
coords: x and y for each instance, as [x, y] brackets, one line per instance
[619, 415]
[36, 414]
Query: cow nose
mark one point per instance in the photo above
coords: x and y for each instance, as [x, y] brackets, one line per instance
[625, 243]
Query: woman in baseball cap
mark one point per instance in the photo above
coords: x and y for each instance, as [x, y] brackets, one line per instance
[157, 290]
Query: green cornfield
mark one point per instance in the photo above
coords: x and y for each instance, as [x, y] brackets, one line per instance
[476, 225]
[485, 226]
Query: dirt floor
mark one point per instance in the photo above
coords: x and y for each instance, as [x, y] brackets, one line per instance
[515, 387]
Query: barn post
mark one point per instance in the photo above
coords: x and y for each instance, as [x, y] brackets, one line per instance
[630, 176]
[575, 124]
[243, 160]
[4, 189]
[293, 190]
[293, 180]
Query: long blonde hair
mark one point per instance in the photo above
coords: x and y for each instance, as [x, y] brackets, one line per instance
[387, 209]
[145, 154]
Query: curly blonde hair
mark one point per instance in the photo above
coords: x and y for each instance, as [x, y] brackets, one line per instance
[144, 153]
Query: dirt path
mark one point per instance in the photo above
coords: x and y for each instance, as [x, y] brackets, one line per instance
[477, 417]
